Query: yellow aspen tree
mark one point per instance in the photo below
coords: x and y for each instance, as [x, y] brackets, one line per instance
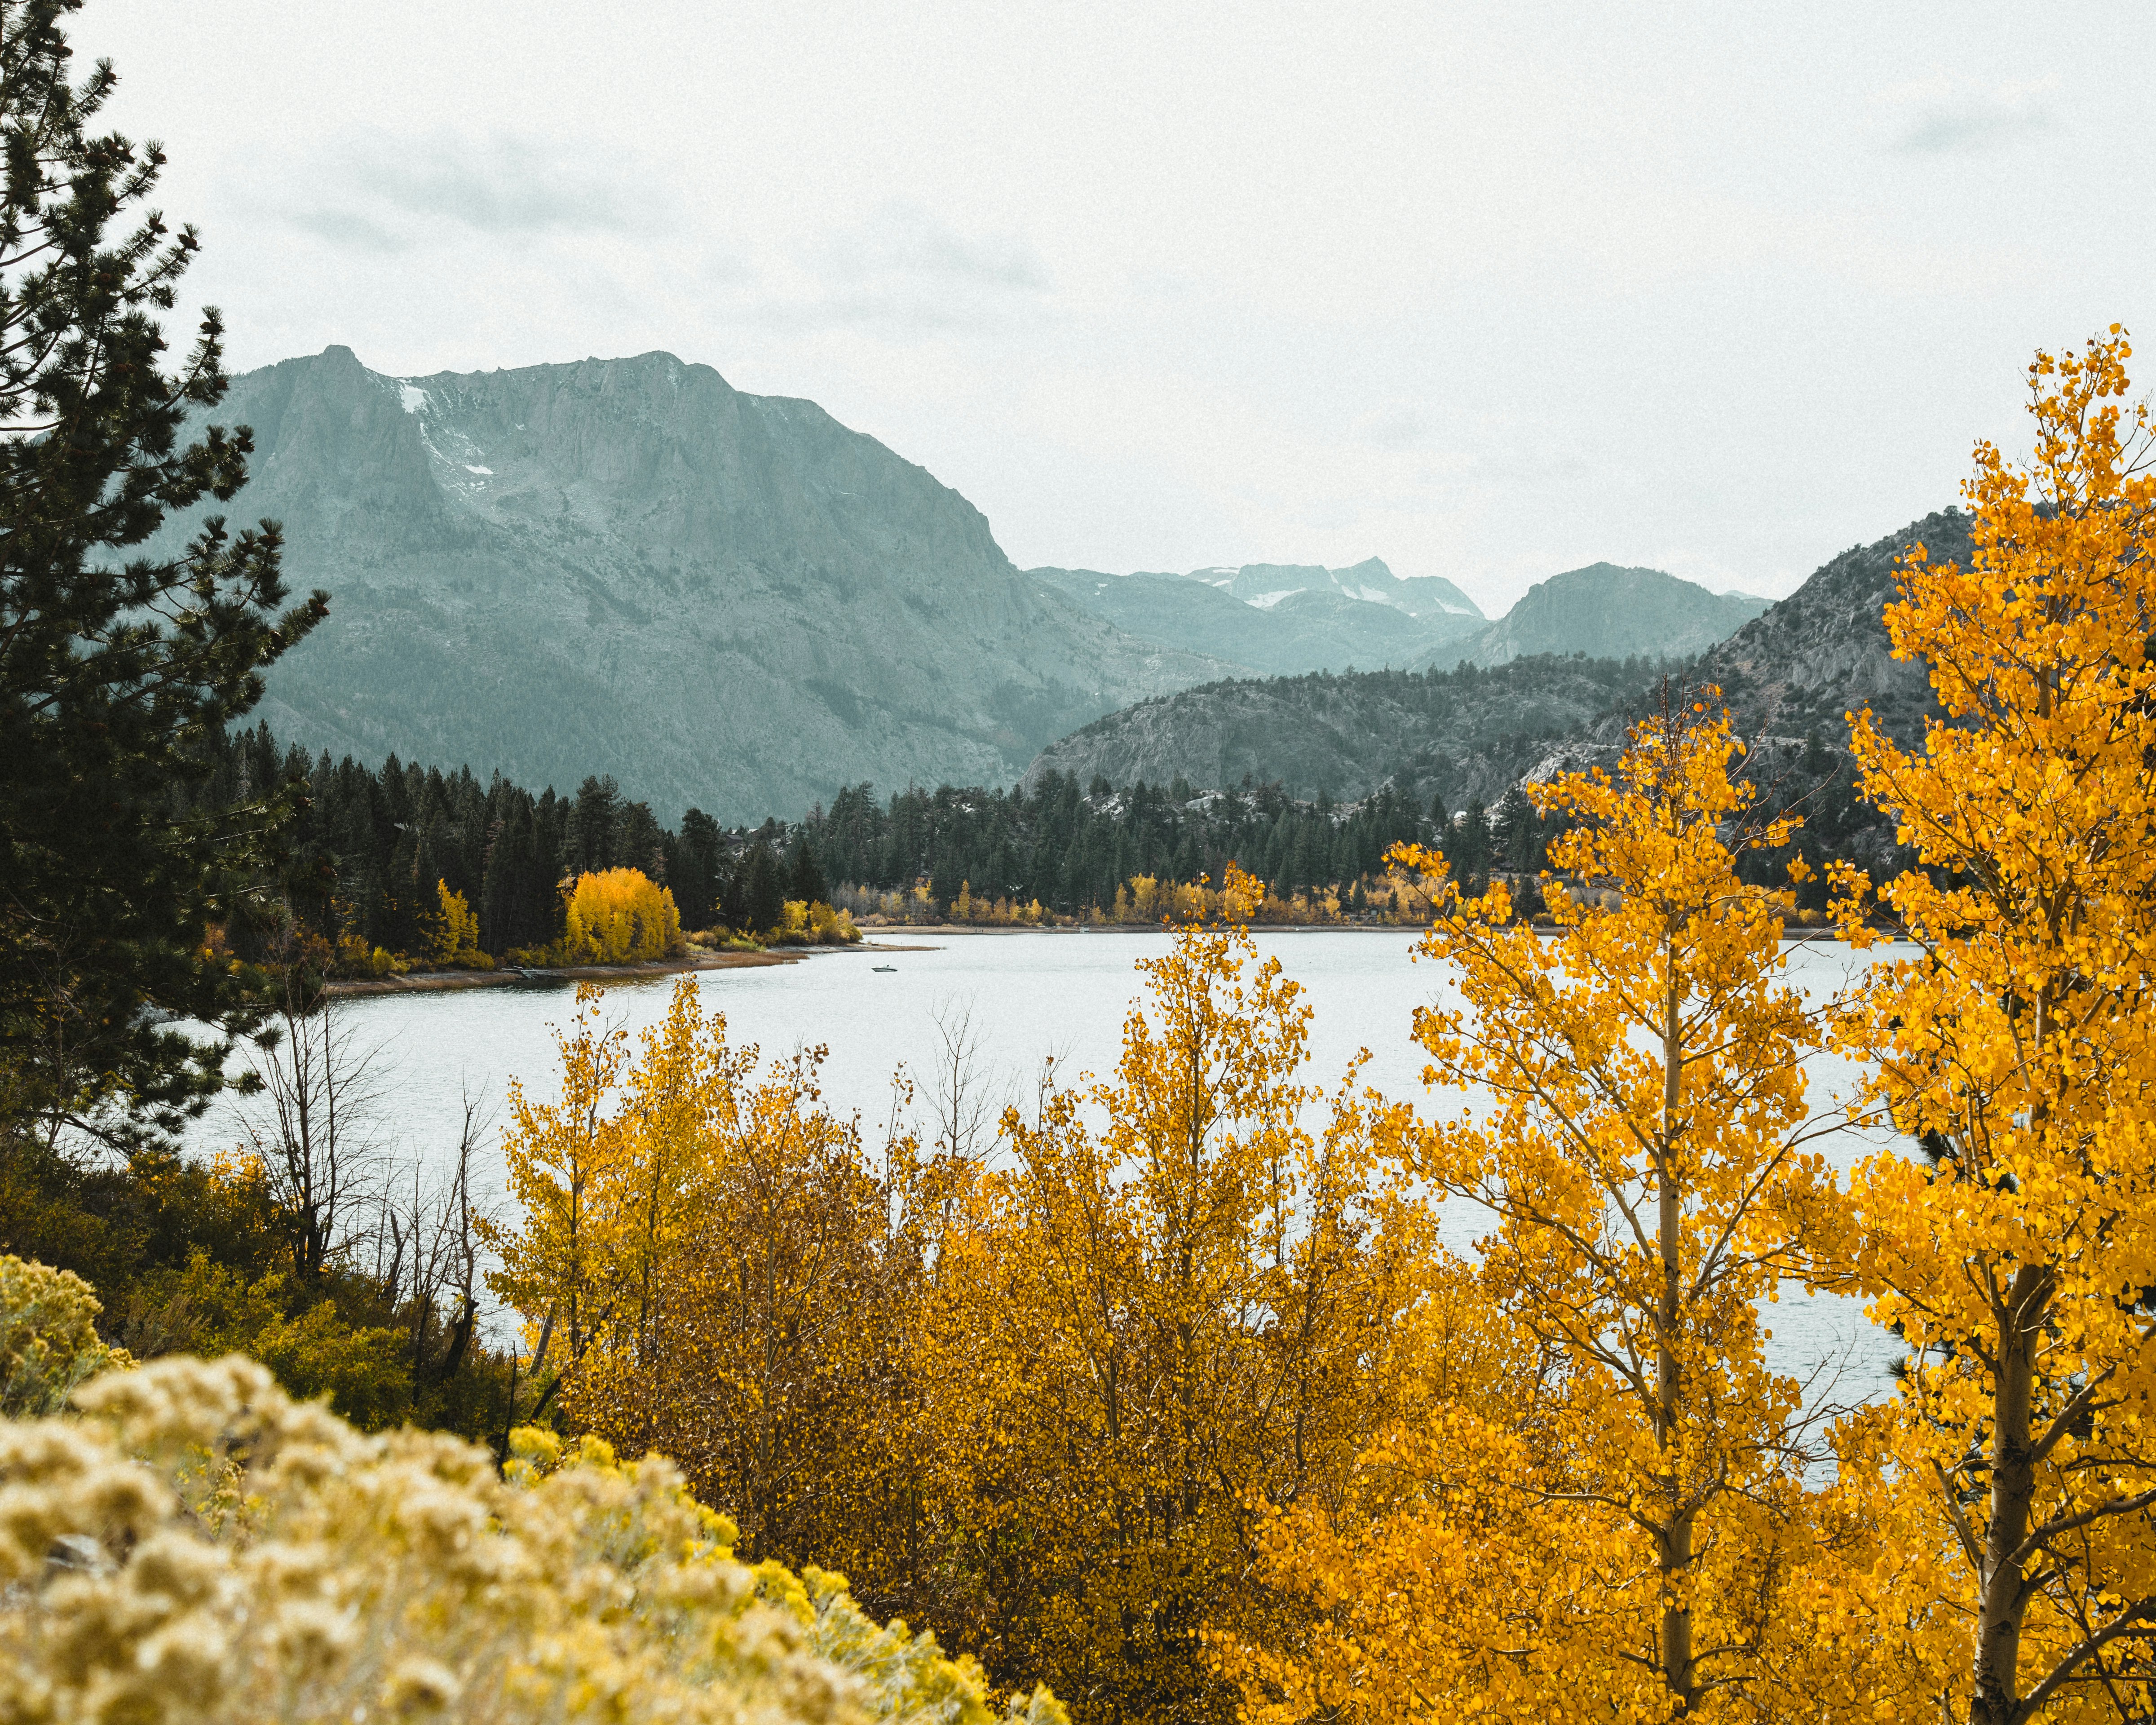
[736, 1269]
[1379, 1577]
[2019, 1046]
[1187, 1300]
[758, 1299]
[564, 1162]
[618, 916]
[764, 1318]
[456, 932]
[1643, 1154]
[675, 1093]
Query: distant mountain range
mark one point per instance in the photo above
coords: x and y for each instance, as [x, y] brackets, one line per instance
[1789, 675]
[628, 566]
[1255, 618]
[1370, 581]
[1281, 618]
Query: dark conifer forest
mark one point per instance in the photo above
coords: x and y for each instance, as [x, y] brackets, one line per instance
[370, 848]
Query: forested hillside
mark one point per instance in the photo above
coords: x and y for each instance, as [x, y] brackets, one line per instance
[1457, 734]
[1072, 848]
[373, 850]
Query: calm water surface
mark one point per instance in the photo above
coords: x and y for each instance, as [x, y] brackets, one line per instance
[1028, 996]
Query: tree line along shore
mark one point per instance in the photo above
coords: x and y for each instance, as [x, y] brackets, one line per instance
[402, 867]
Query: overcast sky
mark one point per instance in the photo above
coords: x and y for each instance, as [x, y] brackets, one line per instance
[1487, 292]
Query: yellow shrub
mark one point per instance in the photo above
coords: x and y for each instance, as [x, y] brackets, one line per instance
[201, 1549]
[48, 1345]
[832, 927]
[619, 917]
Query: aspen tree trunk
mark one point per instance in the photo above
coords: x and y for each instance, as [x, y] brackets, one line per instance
[1673, 1543]
[2002, 1589]
[2003, 1594]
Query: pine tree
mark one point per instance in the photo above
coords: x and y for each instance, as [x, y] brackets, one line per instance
[589, 830]
[806, 881]
[517, 904]
[763, 897]
[638, 842]
[116, 667]
[695, 874]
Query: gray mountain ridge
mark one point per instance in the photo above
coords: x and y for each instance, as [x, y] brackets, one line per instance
[1282, 619]
[628, 566]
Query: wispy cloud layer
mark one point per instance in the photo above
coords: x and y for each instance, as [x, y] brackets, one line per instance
[1941, 117]
[375, 192]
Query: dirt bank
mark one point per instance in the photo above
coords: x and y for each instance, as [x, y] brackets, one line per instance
[442, 982]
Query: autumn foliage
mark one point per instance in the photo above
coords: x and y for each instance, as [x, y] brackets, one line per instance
[1173, 1397]
[1042, 1402]
[2018, 1044]
[195, 1547]
[1162, 1389]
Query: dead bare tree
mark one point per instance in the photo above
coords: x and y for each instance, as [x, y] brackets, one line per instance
[427, 1249]
[313, 1129]
[967, 1097]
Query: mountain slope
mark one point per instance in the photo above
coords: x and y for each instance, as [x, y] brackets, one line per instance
[1458, 735]
[628, 566]
[1803, 664]
[1610, 611]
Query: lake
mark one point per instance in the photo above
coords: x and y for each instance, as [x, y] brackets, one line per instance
[1027, 996]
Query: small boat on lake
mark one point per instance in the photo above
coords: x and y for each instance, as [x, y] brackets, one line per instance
[886, 968]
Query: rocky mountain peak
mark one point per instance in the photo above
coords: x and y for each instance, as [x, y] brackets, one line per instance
[628, 566]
